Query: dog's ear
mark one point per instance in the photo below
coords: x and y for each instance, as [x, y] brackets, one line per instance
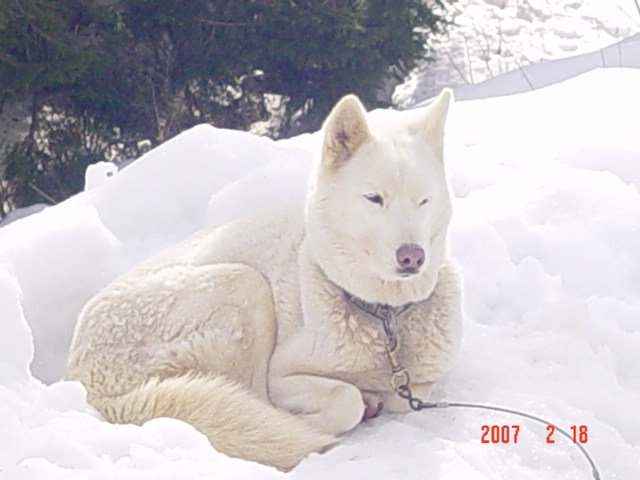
[431, 125]
[345, 130]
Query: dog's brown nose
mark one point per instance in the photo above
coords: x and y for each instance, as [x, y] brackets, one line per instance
[410, 257]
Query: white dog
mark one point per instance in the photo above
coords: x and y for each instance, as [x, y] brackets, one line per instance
[263, 333]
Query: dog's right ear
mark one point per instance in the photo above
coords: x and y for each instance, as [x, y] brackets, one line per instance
[345, 130]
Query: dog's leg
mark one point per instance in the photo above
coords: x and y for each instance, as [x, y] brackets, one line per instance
[330, 406]
[192, 342]
[173, 321]
[228, 326]
[373, 405]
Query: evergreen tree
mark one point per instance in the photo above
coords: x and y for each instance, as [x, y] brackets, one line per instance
[50, 52]
[106, 79]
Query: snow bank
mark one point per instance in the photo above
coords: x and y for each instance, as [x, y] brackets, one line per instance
[63, 255]
[546, 230]
[505, 45]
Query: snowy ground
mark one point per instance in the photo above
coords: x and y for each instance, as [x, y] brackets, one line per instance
[492, 37]
[546, 230]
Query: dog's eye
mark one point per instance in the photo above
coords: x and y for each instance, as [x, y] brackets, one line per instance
[375, 198]
[424, 201]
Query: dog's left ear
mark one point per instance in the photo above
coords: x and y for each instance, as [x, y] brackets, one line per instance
[345, 130]
[432, 122]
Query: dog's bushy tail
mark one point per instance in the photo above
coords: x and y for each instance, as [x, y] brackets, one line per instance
[236, 422]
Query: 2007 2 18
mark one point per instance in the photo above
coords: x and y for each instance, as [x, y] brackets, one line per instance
[509, 433]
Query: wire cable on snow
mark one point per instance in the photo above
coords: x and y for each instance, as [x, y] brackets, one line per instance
[416, 404]
[400, 379]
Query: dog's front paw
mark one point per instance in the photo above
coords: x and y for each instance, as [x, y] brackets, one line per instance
[373, 405]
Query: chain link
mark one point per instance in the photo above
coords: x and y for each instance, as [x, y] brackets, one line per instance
[400, 380]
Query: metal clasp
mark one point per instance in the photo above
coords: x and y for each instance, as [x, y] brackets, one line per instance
[399, 375]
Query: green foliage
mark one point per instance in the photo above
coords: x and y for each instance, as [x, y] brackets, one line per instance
[46, 45]
[102, 76]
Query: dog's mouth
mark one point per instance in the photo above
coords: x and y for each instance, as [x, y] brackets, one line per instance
[407, 272]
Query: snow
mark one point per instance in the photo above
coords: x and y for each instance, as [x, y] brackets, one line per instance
[546, 231]
[511, 40]
[625, 53]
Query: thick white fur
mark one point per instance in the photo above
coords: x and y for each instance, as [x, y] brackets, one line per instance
[245, 331]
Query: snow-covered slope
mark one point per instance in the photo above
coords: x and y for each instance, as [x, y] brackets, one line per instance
[489, 38]
[546, 230]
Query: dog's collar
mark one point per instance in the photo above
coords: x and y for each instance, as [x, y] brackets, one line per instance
[384, 312]
[387, 314]
[381, 311]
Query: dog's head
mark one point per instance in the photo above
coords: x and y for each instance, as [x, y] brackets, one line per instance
[379, 208]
